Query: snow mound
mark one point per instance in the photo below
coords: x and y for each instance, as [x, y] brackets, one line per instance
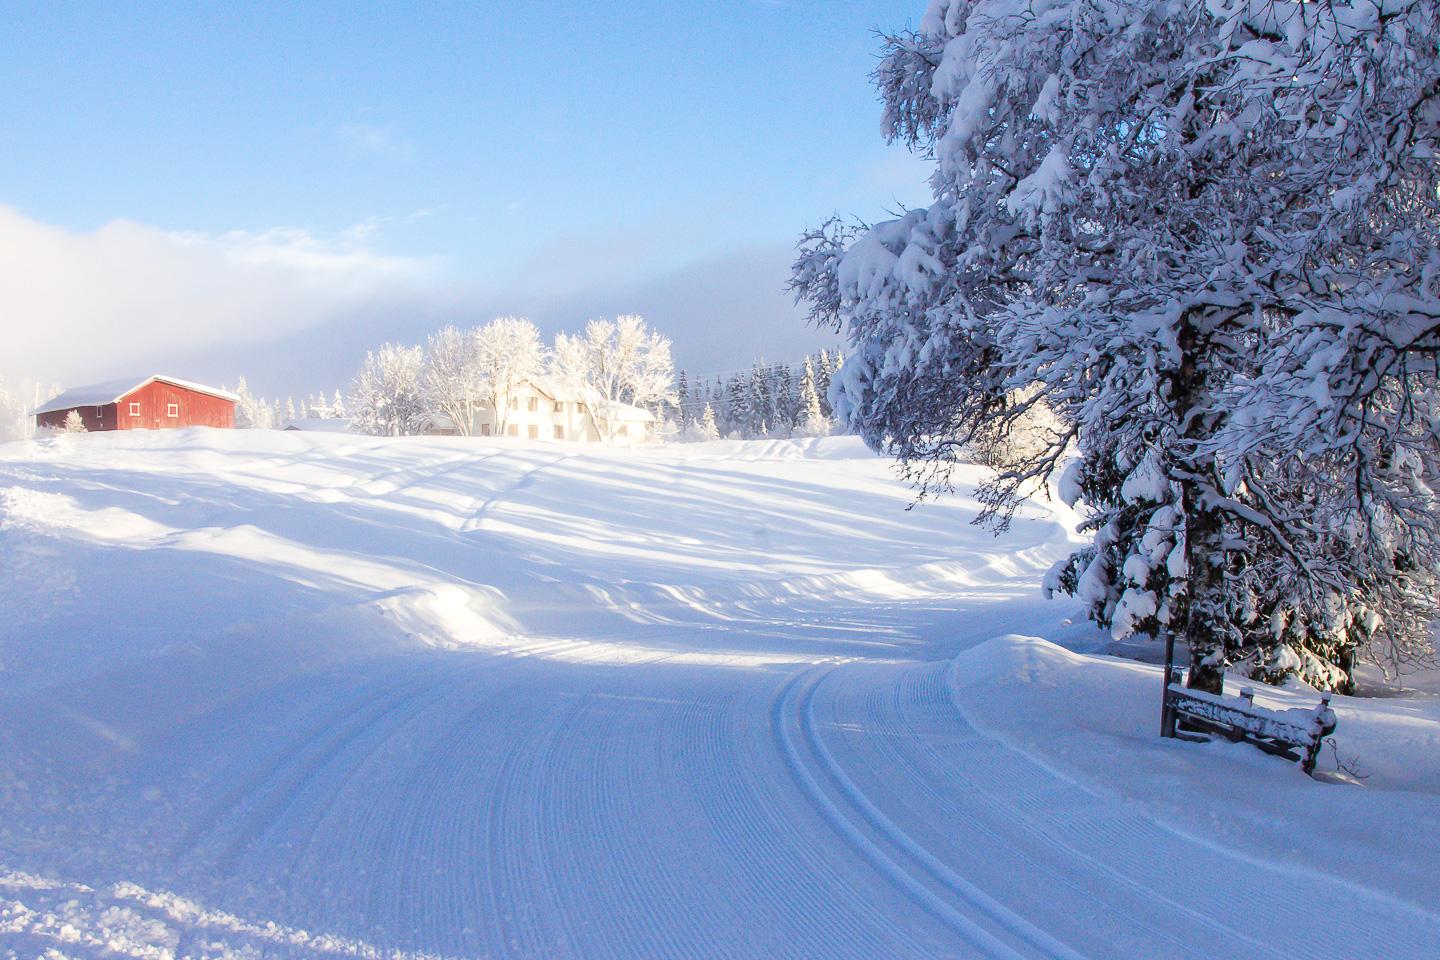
[1094, 720]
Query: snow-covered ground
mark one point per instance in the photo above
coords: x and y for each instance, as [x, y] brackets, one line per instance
[318, 695]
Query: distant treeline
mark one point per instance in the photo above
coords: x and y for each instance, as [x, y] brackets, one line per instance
[771, 400]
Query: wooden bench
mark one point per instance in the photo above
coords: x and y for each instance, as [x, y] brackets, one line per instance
[1295, 734]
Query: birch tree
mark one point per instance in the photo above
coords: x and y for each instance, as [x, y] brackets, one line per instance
[508, 352]
[453, 376]
[614, 364]
[388, 396]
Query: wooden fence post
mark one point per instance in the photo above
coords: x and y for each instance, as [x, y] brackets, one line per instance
[1167, 716]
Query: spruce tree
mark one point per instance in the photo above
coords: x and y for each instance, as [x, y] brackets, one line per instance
[786, 406]
[761, 410]
[682, 401]
[707, 427]
[737, 406]
[812, 419]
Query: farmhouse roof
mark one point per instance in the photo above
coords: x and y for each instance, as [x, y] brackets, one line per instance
[319, 424]
[618, 410]
[111, 391]
[628, 411]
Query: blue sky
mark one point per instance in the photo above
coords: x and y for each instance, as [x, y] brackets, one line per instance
[554, 159]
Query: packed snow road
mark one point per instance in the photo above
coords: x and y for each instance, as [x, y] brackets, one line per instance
[324, 696]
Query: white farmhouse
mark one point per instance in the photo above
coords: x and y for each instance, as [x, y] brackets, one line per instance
[539, 410]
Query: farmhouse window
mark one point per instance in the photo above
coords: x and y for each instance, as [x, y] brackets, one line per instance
[532, 405]
[512, 431]
[514, 403]
[559, 432]
[172, 410]
[559, 406]
[533, 431]
[624, 430]
[134, 409]
[484, 429]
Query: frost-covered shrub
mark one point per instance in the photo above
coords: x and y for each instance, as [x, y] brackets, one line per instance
[388, 397]
[1011, 442]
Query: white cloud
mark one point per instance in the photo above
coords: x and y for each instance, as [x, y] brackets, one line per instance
[293, 311]
[75, 306]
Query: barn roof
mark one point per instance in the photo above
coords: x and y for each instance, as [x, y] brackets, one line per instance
[99, 394]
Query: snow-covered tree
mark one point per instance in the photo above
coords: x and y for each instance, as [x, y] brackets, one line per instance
[682, 401]
[762, 411]
[74, 423]
[786, 403]
[337, 406]
[388, 396]
[707, 429]
[826, 366]
[738, 415]
[1202, 236]
[811, 421]
[612, 364]
[508, 353]
[12, 415]
[251, 412]
[454, 381]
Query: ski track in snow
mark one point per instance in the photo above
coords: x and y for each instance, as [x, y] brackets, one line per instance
[758, 768]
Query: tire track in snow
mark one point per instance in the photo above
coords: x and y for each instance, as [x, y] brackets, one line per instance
[207, 821]
[523, 482]
[245, 811]
[434, 837]
[959, 803]
[302, 828]
[1041, 809]
[266, 810]
[532, 914]
[991, 797]
[1016, 938]
[411, 475]
[1331, 901]
[802, 887]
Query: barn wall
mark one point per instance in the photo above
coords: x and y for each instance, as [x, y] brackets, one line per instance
[95, 418]
[194, 409]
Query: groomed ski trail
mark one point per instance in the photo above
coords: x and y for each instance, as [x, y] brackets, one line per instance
[514, 701]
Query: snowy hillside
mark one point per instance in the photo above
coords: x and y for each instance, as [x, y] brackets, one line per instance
[320, 695]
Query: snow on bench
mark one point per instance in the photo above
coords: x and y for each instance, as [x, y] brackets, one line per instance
[1295, 733]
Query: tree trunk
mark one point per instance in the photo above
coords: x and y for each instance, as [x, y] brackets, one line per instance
[1347, 664]
[1207, 626]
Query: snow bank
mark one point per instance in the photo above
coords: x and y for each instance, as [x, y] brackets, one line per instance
[187, 538]
[55, 919]
[1095, 719]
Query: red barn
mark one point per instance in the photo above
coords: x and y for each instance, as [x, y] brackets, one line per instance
[149, 403]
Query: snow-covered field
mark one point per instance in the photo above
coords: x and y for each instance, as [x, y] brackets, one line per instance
[318, 695]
